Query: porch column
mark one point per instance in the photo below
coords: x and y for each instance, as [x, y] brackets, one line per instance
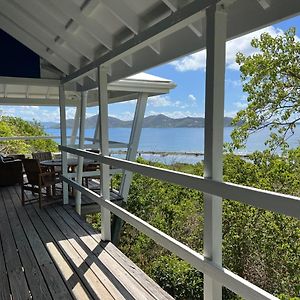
[75, 126]
[97, 129]
[81, 144]
[63, 140]
[213, 144]
[104, 169]
[134, 139]
[135, 135]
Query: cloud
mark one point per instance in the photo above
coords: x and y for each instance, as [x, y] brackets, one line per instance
[192, 97]
[197, 61]
[159, 101]
[191, 62]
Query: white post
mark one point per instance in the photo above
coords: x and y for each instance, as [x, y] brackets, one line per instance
[63, 141]
[133, 144]
[97, 129]
[104, 178]
[213, 145]
[81, 144]
[75, 126]
[135, 135]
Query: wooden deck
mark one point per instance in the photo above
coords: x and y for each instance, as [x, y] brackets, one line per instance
[52, 253]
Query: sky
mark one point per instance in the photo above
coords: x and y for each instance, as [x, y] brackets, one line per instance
[188, 73]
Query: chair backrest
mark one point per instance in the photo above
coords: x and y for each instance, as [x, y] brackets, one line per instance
[42, 156]
[32, 169]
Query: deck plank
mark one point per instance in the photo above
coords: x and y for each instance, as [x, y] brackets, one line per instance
[59, 256]
[16, 276]
[138, 278]
[111, 282]
[35, 280]
[90, 280]
[4, 284]
[54, 280]
[112, 268]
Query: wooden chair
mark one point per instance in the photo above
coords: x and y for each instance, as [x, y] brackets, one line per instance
[37, 180]
[42, 156]
[46, 156]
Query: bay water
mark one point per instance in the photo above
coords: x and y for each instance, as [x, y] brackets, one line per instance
[180, 140]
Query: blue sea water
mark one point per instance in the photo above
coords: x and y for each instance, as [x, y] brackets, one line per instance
[181, 140]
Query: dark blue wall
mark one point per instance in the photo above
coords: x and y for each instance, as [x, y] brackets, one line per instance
[16, 60]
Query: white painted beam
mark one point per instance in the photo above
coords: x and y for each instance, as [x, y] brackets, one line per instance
[171, 24]
[50, 22]
[29, 81]
[104, 168]
[280, 203]
[75, 125]
[79, 170]
[63, 141]
[133, 144]
[123, 13]
[34, 102]
[27, 22]
[213, 141]
[196, 27]
[90, 25]
[265, 4]
[235, 283]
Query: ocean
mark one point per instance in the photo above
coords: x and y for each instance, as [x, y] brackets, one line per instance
[180, 140]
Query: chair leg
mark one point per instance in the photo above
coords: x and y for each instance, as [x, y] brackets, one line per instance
[40, 197]
[53, 190]
[23, 195]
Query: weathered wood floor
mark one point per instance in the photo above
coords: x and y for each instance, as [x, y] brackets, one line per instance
[52, 253]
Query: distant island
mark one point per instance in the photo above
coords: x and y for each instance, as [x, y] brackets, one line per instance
[155, 121]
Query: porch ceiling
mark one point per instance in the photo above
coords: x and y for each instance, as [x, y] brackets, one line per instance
[70, 34]
[45, 92]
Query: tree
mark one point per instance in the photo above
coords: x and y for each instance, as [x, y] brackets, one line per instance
[271, 78]
[13, 126]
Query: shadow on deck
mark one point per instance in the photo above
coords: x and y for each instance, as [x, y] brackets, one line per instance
[52, 253]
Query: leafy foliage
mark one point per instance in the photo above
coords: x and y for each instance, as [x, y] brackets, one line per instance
[271, 78]
[259, 245]
[13, 126]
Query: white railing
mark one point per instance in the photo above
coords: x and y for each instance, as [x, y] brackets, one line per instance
[280, 203]
[28, 138]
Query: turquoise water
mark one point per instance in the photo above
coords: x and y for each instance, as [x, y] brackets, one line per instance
[181, 140]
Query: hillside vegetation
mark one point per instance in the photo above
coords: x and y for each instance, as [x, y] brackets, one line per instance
[12, 126]
[261, 246]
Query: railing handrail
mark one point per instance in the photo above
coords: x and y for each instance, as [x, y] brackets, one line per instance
[276, 202]
[225, 277]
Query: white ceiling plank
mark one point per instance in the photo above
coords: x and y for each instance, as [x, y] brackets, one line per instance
[35, 102]
[174, 6]
[5, 91]
[29, 41]
[26, 21]
[171, 24]
[124, 13]
[155, 47]
[265, 4]
[128, 60]
[127, 16]
[27, 91]
[29, 81]
[90, 25]
[50, 22]
[90, 6]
